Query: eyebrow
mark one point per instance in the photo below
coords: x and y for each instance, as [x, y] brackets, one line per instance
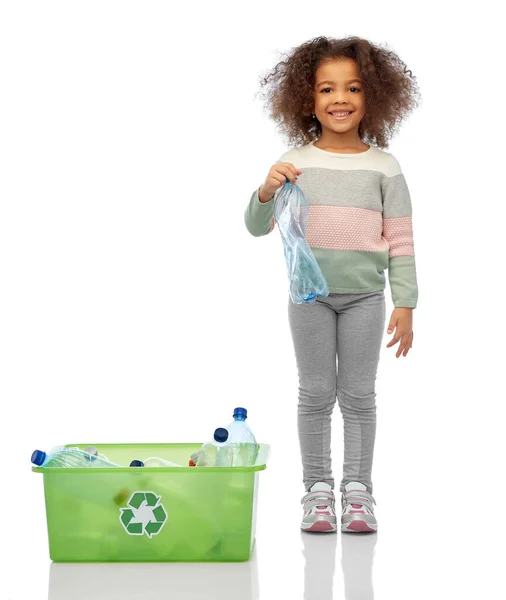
[350, 81]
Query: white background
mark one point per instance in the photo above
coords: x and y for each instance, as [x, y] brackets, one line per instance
[136, 307]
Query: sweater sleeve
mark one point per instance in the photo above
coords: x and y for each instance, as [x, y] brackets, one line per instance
[259, 216]
[398, 232]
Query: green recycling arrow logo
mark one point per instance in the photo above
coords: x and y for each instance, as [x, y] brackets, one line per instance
[145, 514]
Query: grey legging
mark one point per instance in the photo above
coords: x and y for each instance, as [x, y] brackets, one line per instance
[349, 327]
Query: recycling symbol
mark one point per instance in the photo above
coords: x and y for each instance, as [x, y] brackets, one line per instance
[144, 514]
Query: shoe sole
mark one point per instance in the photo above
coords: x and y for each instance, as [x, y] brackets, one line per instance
[358, 526]
[320, 527]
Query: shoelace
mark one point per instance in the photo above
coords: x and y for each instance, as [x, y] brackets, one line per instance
[318, 498]
[359, 497]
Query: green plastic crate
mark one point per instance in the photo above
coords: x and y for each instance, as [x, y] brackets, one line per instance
[154, 514]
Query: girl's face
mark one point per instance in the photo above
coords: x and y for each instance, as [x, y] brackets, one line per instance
[338, 88]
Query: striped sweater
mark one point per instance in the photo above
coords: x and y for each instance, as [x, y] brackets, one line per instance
[359, 220]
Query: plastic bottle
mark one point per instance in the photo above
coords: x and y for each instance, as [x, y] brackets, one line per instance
[94, 453]
[70, 458]
[193, 459]
[97, 460]
[216, 453]
[153, 461]
[242, 440]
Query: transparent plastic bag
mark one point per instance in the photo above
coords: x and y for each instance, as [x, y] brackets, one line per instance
[291, 211]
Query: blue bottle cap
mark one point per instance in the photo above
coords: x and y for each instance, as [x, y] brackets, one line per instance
[221, 435]
[240, 413]
[38, 457]
[136, 463]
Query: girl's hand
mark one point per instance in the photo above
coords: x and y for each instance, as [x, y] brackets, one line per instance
[276, 177]
[402, 318]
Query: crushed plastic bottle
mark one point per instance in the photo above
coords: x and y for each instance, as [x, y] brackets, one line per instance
[94, 453]
[62, 456]
[194, 458]
[216, 453]
[291, 210]
[153, 461]
[242, 440]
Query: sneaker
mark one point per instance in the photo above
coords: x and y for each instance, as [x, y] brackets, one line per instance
[357, 511]
[319, 509]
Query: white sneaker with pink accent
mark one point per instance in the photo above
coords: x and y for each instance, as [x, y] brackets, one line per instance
[319, 509]
[357, 514]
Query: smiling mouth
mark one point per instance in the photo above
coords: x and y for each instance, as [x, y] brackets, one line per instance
[341, 118]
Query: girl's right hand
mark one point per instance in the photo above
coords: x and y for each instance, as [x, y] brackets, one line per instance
[277, 178]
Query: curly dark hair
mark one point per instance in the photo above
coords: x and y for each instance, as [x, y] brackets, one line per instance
[390, 89]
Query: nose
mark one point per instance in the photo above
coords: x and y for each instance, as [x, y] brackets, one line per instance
[341, 102]
[340, 96]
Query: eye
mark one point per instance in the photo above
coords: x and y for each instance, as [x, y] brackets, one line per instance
[352, 88]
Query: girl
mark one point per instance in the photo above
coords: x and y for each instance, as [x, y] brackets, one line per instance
[339, 101]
